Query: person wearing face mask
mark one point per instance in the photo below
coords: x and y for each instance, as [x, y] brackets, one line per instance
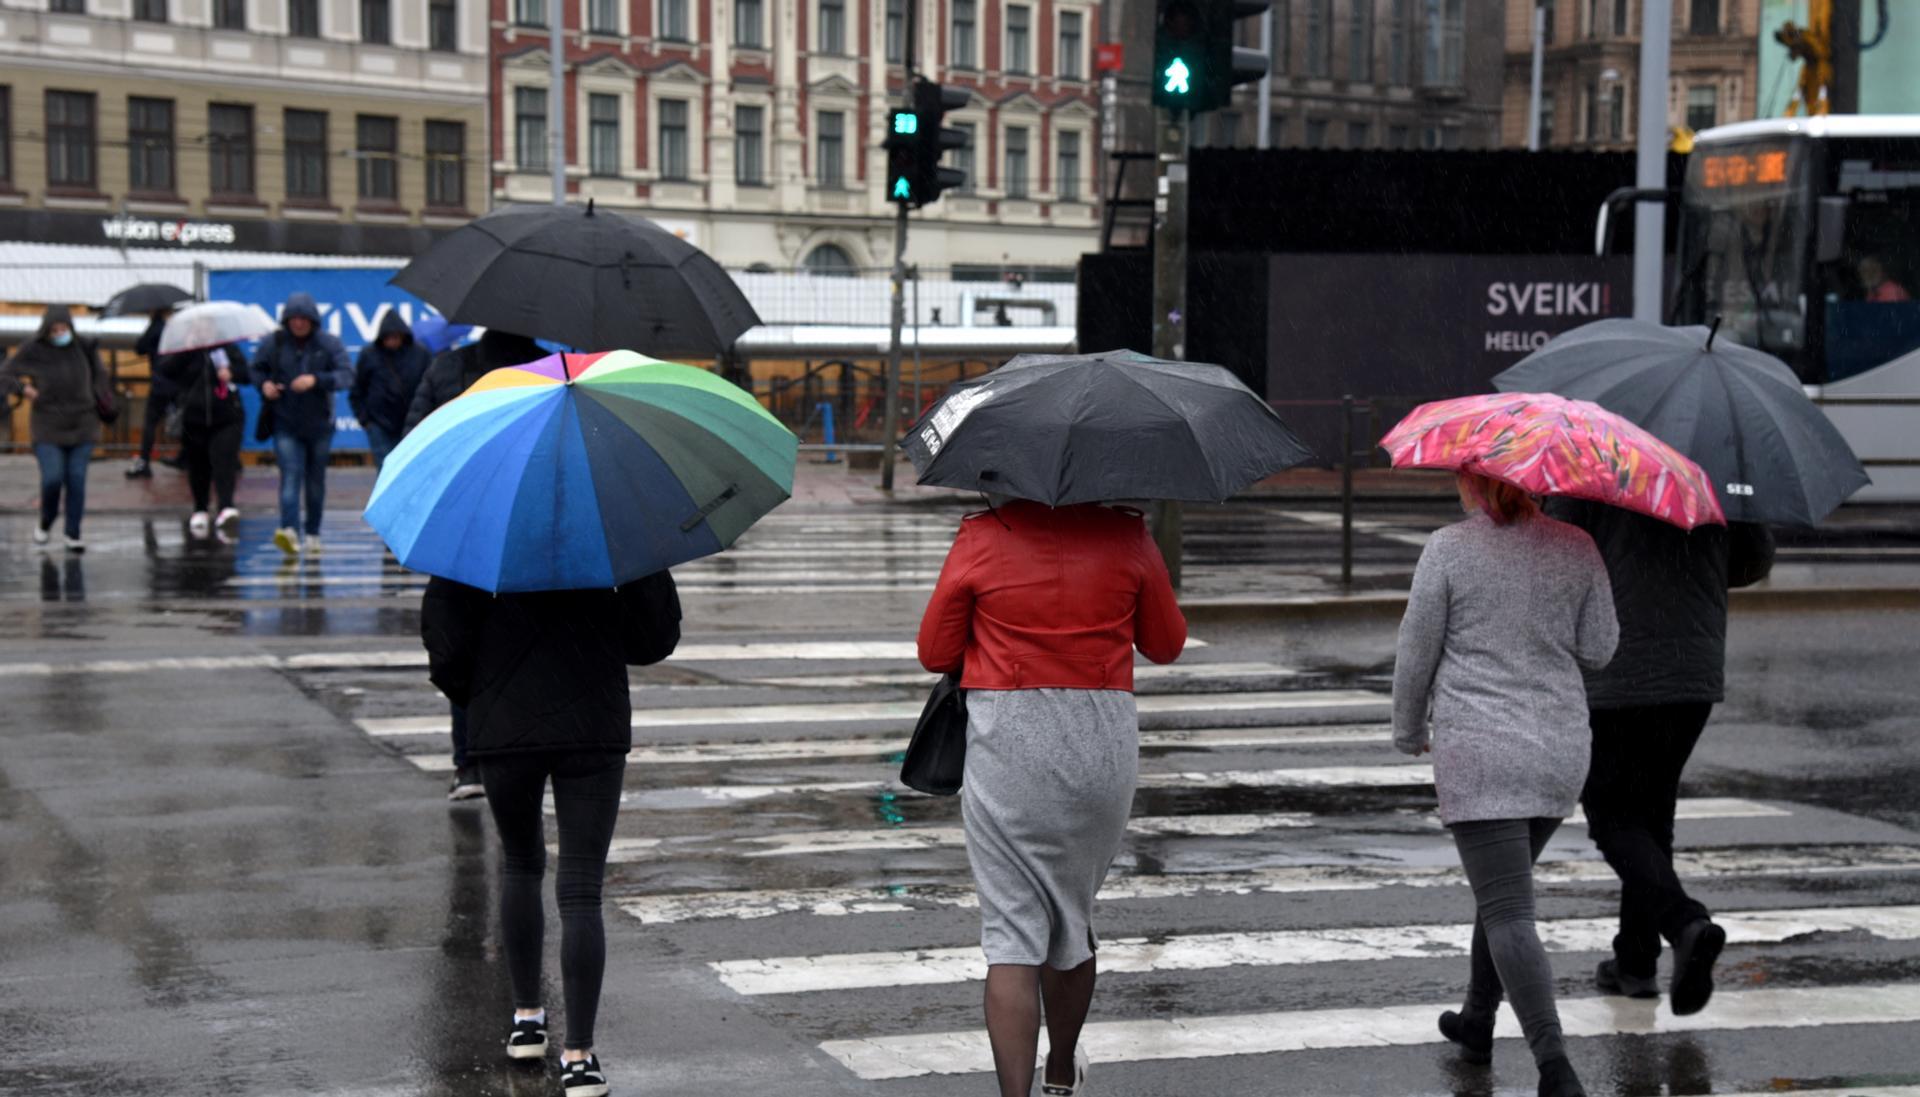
[71, 393]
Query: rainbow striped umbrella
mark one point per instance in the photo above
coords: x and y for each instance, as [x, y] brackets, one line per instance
[581, 471]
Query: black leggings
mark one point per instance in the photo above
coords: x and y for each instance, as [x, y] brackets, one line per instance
[586, 798]
[213, 462]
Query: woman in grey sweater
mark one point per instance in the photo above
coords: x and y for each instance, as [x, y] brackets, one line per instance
[1507, 608]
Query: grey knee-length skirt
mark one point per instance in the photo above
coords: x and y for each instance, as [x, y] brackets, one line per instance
[1047, 791]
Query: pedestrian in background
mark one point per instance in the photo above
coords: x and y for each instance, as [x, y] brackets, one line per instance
[545, 677]
[449, 375]
[1648, 709]
[1039, 609]
[1507, 608]
[384, 380]
[160, 394]
[71, 393]
[298, 369]
[211, 421]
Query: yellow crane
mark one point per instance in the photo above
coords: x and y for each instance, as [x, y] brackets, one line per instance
[1812, 46]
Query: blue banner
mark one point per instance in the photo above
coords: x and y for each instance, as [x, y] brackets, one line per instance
[352, 304]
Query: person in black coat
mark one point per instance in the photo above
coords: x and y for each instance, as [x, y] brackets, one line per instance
[1648, 709]
[544, 677]
[299, 368]
[455, 371]
[212, 421]
[160, 393]
[384, 380]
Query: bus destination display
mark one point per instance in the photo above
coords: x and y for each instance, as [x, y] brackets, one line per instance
[1733, 169]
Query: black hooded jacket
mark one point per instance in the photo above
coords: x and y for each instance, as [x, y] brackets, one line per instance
[454, 371]
[546, 671]
[159, 389]
[281, 358]
[384, 380]
[195, 378]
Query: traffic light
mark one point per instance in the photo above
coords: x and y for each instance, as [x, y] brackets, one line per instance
[1195, 63]
[916, 141]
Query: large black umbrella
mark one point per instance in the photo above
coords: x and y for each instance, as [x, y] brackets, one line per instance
[588, 278]
[145, 298]
[1740, 413]
[1081, 428]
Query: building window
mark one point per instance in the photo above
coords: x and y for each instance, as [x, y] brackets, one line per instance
[964, 19]
[306, 155]
[1072, 64]
[829, 149]
[6, 135]
[1399, 33]
[68, 7]
[833, 26]
[1593, 18]
[1446, 42]
[1319, 35]
[1016, 161]
[1359, 135]
[150, 11]
[376, 22]
[1360, 43]
[1548, 16]
[746, 24]
[230, 14]
[447, 165]
[1067, 167]
[1703, 107]
[1616, 111]
[1316, 133]
[961, 159]
[303, 18]
[150, 145]
[1592, 126]
[1705, 17]
[1019, 38]
[378, 149]
[603, 134]
[749, 146]
[530, 129]
[443, 26]
[673, 138]
[896, 32]
[603, 17]
[530, 13]
[230, 149]
[1399, 137]
[1620, 18]
[831, 260]
[674, 26]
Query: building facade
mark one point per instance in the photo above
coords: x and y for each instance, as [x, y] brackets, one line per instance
[1591, 70]
[316, 126]
[754, 127]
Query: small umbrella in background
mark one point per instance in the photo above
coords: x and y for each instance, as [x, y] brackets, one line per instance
[1549, 445]
[1740, 413]
[581, 471]
[145, 298]
[214, 324]
[436, 333]
[583, 277]
[1081, 428]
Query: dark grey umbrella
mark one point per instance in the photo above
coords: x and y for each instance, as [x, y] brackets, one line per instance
[1740, 413]
[1081, 428]
[145, 298]
[588, 278]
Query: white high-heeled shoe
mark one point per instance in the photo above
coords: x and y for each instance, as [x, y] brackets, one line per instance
[1079, 1086]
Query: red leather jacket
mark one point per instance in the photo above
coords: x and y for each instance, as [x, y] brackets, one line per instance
[1039, 597]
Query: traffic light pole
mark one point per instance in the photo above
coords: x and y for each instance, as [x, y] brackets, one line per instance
[890, 416]
[1170, 294]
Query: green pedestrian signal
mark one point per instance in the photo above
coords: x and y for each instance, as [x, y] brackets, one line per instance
[902, 190]
[905, 123]
[1177, 74]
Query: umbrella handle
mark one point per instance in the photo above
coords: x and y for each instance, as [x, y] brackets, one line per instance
[1711, 332]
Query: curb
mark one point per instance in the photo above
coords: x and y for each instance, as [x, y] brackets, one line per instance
[1390, 605]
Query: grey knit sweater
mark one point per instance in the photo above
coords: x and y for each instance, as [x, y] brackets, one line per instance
[1500, 622]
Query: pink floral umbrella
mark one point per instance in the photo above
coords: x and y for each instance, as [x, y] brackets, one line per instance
[1549, 445]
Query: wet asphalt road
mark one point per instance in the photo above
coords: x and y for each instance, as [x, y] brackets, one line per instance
[226, 864]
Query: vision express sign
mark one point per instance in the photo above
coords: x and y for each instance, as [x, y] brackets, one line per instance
[1406, 327]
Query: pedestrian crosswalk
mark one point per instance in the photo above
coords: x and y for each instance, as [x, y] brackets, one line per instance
[1286, 889]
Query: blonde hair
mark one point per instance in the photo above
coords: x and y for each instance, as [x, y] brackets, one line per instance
[1497, 499]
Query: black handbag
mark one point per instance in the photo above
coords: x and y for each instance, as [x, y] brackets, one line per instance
[937, 756]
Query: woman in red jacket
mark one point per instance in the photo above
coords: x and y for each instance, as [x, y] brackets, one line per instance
[1042, 608]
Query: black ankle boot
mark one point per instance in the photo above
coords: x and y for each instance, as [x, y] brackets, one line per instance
[1558, 1080]
[1474, 1034]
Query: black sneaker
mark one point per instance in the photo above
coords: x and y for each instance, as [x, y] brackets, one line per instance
[1474, 1034]
[584, 1078]
[528, 1039]
[1611, 980]
[1693, 958]
[139, 469]
[466, 784]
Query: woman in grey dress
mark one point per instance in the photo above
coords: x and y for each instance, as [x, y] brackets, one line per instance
[1506, 609]
[1040, 609]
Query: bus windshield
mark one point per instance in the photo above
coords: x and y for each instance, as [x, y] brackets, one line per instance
[1743, 243]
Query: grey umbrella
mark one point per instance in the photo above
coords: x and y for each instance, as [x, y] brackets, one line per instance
[1740, 413]
[588, 278]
